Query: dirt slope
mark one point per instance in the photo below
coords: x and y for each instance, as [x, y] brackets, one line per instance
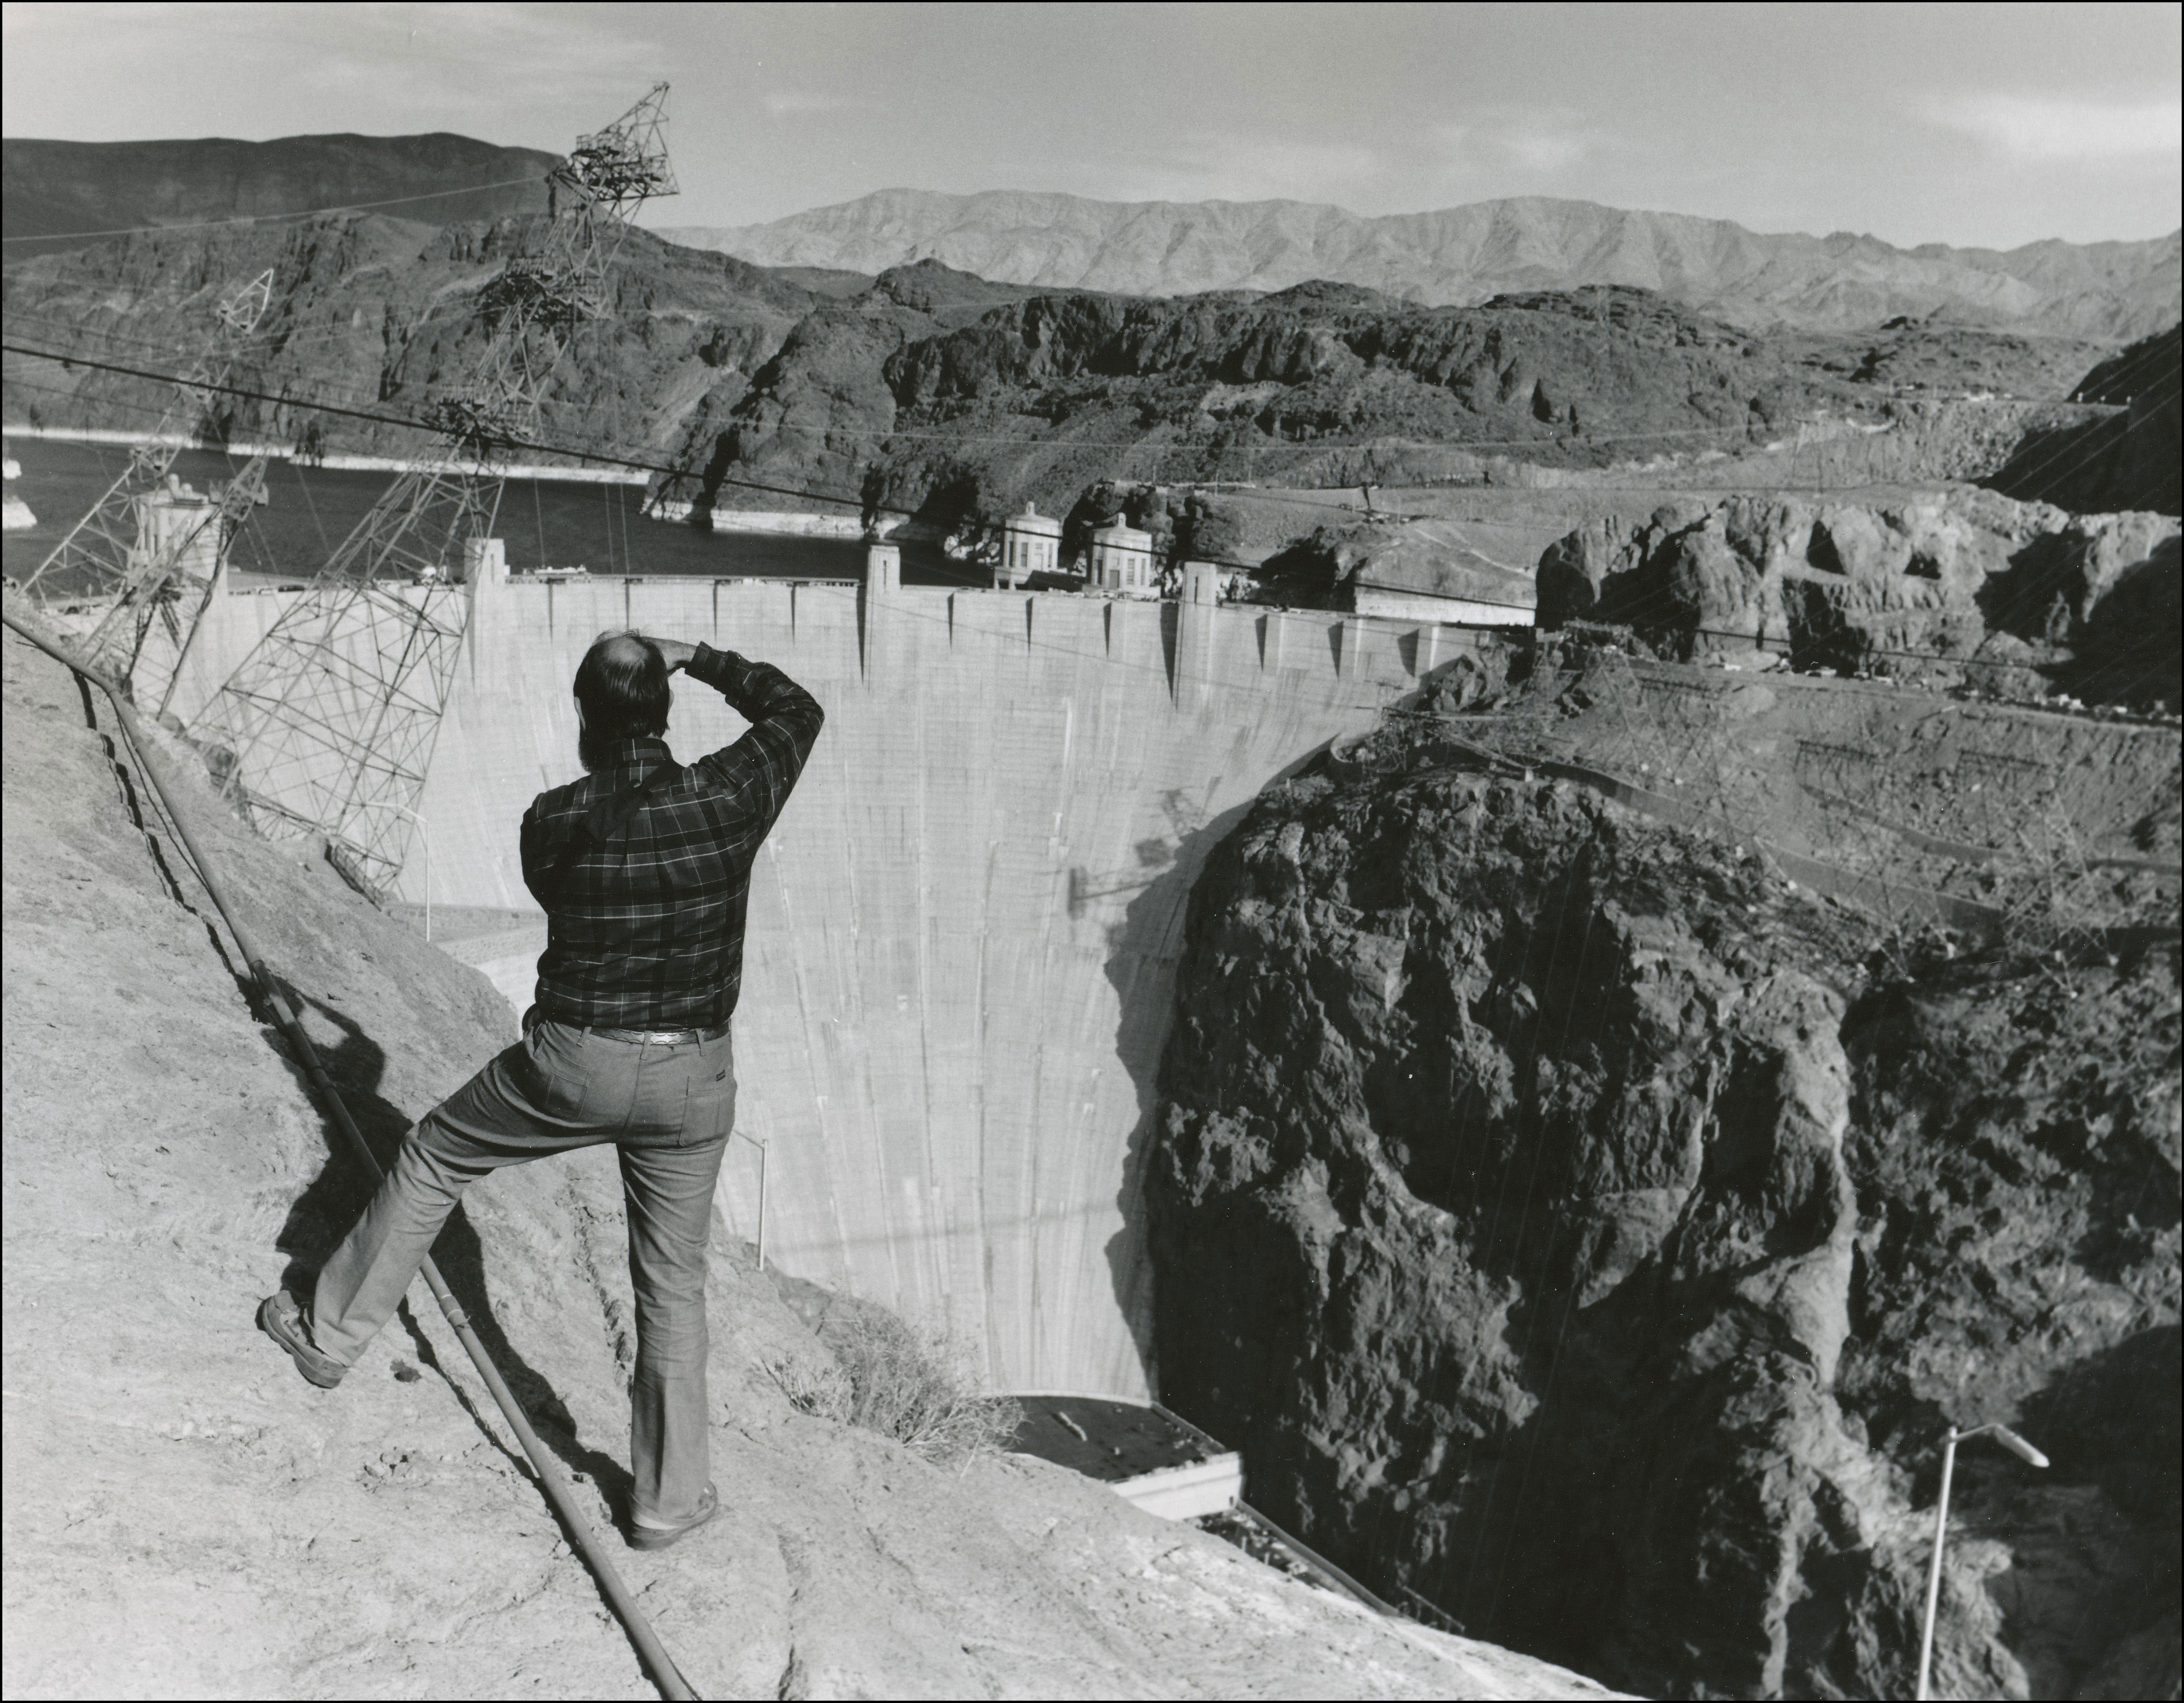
[183, 1515]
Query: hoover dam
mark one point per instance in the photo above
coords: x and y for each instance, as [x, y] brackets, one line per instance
[963, 932]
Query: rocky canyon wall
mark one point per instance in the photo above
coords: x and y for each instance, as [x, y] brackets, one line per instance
[1587, 1239]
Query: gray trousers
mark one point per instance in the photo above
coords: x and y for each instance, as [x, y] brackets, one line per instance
[668, 1110]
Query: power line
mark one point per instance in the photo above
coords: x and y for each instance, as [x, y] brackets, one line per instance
[414, 424]
[279, 342]
[856, 502]
[593, 456]
[275, 218]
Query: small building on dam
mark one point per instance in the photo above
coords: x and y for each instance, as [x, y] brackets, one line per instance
[1121, 560]
[1031, 543]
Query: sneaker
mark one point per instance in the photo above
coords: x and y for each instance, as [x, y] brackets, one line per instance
[644, 1537]
[281, 1318]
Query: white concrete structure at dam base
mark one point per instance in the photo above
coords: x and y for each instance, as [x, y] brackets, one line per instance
[776, 523]
[963, 933]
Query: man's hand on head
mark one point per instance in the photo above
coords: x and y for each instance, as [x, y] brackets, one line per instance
[674, 652]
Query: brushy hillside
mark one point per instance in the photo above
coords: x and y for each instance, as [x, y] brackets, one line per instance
[185, 1517]
[381, 314]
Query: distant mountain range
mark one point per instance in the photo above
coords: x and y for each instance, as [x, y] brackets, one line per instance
[1464, 255]
[60, 195]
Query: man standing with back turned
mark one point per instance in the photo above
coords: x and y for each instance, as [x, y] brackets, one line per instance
[644, 867]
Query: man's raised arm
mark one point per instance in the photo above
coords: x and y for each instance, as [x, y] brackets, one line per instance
[784, 722]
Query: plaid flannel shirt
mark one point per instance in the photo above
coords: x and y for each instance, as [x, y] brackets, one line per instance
[647, 931]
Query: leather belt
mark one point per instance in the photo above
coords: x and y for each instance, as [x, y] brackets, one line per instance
[660, 1037]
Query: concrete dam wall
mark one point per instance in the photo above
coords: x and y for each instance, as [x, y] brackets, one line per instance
[963, 932]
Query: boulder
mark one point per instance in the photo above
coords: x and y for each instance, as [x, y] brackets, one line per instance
[1574, 570]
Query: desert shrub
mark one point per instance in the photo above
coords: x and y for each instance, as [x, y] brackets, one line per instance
[905, 1384]
[817, 1387]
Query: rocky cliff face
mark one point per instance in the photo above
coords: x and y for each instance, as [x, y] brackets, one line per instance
[960, 398]
[2131, 460]
[1041, 396]
[1581, 1242]
[1987, 582]
[955, 397]
[1461, 255]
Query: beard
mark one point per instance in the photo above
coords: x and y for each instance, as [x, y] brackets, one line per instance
[595, 753]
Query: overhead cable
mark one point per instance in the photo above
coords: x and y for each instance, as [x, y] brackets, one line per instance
[276, 218]
[846, 501]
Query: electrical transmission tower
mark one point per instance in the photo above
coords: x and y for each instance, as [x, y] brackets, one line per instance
[332, 717]
[133, 577]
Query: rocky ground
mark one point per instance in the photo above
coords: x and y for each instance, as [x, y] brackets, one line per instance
[1623, 1228]
[2131, 460]
[184, 1515]
[1948, 586]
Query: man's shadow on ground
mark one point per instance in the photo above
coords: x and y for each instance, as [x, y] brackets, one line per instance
[322, 1213]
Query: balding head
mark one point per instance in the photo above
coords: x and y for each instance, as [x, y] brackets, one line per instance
[622, 650]
[622, 687]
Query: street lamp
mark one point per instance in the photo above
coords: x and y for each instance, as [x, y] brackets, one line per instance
[2016, 1446]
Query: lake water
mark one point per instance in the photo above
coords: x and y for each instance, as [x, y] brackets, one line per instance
[544, 523]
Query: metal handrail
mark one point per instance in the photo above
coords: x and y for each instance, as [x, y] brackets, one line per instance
[2024, 1451]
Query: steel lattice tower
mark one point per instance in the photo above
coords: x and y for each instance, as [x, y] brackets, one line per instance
[332, 717]
[133, 577]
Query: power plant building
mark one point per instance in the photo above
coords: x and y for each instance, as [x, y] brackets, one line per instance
[1123, 560]
[1031, 543]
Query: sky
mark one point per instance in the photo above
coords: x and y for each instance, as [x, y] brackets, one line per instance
[1990, 126]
